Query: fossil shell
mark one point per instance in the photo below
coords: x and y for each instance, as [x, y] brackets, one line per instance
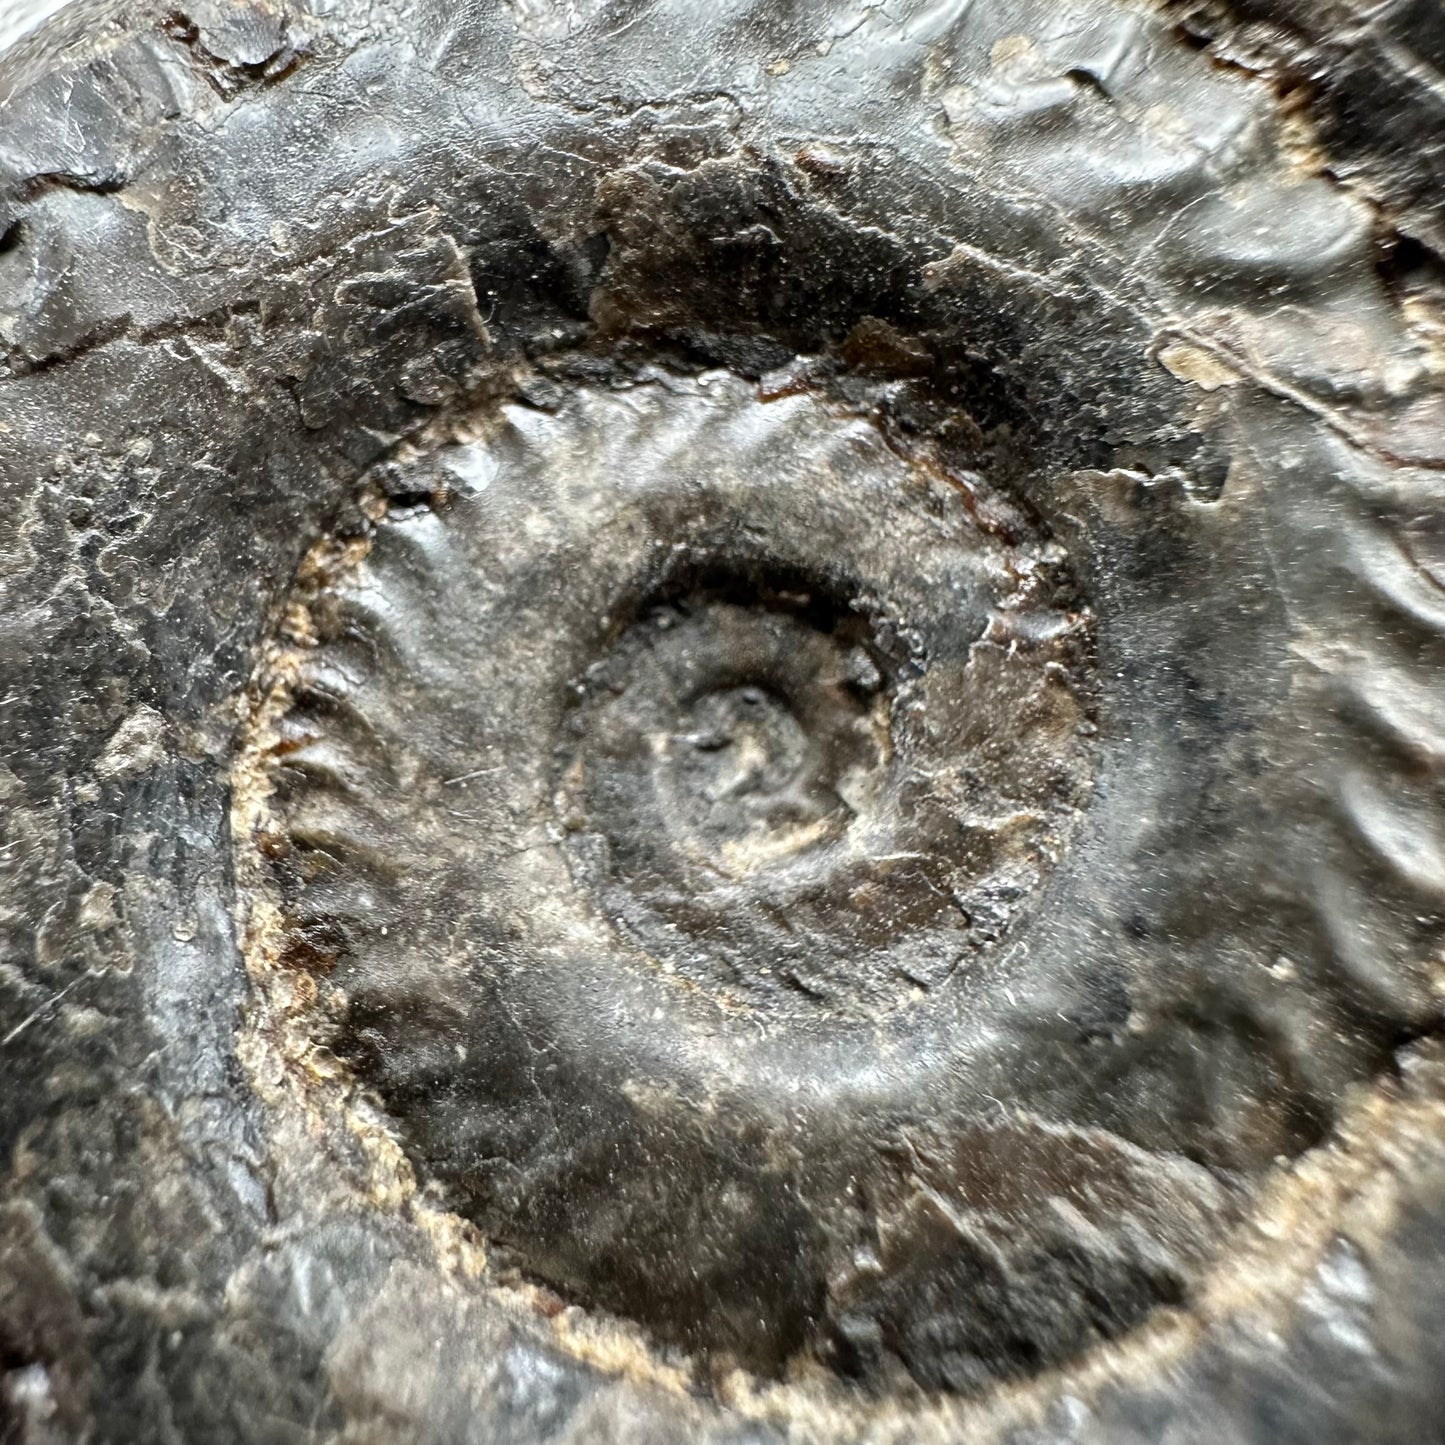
[724, 723]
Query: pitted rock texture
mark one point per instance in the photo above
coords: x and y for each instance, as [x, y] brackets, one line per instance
[302, 1137]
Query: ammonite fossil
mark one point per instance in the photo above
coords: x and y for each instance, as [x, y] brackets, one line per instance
[722, 722]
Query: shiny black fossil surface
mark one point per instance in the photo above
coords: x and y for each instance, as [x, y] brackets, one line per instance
[721, 721]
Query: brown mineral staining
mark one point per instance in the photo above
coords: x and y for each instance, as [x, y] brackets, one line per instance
[1196, 365]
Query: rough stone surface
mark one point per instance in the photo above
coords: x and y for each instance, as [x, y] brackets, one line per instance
[720, 721]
